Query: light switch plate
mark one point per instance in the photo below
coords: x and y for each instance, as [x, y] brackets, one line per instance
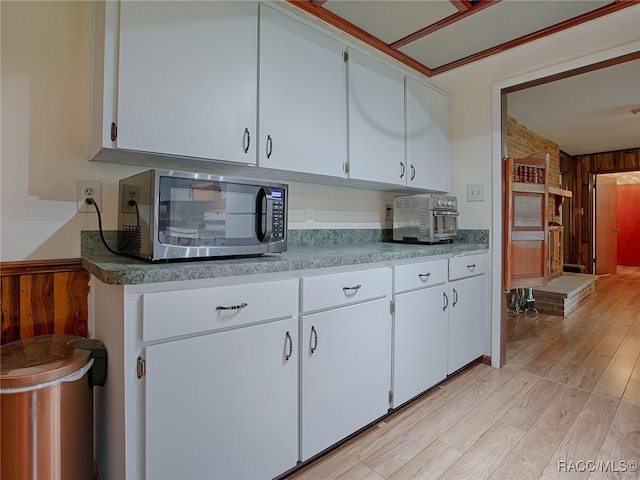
[475, 192]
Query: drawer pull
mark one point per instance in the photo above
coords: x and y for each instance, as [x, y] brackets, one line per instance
[315, 339]
[351, 291]
[290, 340]
[471, 267]
[424, 276]
[231, 307]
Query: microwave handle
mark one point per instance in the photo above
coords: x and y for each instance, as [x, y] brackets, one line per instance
[263, 232]
[449, 213]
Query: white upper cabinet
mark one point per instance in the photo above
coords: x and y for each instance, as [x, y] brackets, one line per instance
[376, 120]
[187, 79]
[427, 115]
[302, 109]
[244, 82]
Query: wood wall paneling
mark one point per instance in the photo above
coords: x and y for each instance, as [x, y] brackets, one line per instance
[40, 298]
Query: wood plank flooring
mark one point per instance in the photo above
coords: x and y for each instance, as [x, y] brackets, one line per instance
[566, 405]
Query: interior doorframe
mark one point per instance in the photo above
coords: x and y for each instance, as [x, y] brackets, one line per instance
[498, 153]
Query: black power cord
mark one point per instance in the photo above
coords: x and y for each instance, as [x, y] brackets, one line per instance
[91, 201]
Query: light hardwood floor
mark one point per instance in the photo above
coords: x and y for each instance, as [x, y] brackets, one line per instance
[566, 405]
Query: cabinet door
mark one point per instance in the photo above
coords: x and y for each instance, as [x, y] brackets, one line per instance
[420, 342]
[376, 120]
[223, 405]
[427, 112]
[467, 333]
[303, 107]
[346, 372]
[188, 79]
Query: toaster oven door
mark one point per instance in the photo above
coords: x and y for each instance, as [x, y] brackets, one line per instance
[444, 224]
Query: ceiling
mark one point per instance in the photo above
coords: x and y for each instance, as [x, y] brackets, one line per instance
[438, 36]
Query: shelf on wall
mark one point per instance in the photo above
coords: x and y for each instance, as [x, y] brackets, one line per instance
[560, 192]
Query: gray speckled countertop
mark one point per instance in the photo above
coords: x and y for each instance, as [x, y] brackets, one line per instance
[118, 270]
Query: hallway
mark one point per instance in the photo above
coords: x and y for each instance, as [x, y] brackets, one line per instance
[566, 405]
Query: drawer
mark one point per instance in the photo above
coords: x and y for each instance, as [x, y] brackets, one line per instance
[467, 266]
[417, 275]
[186, 312]
[334, 290]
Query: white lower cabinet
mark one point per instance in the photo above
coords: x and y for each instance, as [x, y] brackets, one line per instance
[223, 405]
[221, 379]
[345, 372]
[345, 356]
[467, 310]
[419, 329]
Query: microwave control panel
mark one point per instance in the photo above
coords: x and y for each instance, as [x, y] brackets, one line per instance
[277, 213]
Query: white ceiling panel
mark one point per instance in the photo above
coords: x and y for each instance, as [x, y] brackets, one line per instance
[391, 20]
[493, 26]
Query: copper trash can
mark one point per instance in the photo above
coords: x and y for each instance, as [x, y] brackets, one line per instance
[46, 406]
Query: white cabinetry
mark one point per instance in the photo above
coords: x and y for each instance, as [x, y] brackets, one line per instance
[427, 116]
[187, 79]
[345, 354]
[243, 377]
[303, 106]
[376, 120]
[467, 309]
[223, 405]
[420, 328]
[219, 393]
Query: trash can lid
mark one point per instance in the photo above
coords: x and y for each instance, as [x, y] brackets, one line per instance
[40, 359]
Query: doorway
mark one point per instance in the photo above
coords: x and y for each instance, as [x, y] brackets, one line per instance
[620, 225]
[499, 142]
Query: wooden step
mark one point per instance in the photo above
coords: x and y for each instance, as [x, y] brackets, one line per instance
[563, 294]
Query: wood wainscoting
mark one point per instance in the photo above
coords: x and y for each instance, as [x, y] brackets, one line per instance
[43, 297]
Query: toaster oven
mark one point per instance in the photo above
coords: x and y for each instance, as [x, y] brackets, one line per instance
[425, 218]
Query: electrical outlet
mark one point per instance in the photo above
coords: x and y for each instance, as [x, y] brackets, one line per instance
[88, 189]
[129, 193]
[475, 192]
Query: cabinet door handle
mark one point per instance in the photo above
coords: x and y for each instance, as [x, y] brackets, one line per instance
[314, 333]
[246, 140]
[455, 297]
[231, 307]
[424, 276]
[413, 172]
[269, 146]
[351, 291]
[401, 169]
[446, 301]
[471, 267]
[290, 340]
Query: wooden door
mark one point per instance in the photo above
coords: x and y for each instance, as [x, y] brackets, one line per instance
[525, 249]
[605, 225]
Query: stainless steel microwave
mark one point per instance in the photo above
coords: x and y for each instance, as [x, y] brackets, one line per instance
[166, 214]
[425, 218]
